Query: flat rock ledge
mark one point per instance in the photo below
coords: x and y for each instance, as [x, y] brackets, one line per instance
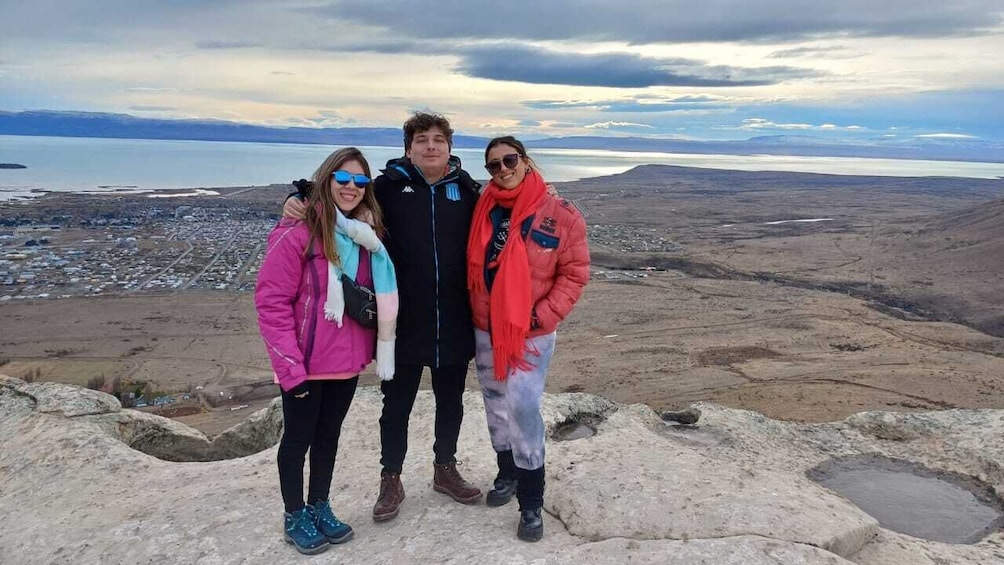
[83, 481]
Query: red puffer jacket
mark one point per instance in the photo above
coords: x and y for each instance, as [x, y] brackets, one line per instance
[559, 265]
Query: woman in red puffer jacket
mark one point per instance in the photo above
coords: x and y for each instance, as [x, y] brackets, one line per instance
[527, 264]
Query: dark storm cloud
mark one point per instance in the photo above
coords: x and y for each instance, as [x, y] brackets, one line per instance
[616, 70]
[672, 21]
[94, 20]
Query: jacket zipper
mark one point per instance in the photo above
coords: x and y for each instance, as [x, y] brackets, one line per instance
[435, 255]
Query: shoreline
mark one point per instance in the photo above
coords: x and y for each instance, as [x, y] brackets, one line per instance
[21, 193]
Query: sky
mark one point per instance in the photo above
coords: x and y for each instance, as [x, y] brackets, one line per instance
[715, 69]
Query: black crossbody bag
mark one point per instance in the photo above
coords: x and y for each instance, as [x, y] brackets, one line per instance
[360, 301]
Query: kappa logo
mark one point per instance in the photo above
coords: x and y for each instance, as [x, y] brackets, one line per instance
[408, 189]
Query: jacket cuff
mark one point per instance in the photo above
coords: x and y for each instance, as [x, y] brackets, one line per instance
[296, 375]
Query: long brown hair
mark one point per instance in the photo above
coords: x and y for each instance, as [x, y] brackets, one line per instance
[320, 216]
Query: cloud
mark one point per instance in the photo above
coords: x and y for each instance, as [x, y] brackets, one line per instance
[764, 124]
[829, 53]
[672, 21]
[149, 89]
[391, 46]
[528, 123]
[618, 125]
[760, 123]
[152, 108]
[236, 44]
[615, 70]
[638, 104]
[946, 136]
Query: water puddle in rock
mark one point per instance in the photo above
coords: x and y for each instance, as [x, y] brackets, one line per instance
[911, 499]
[580, 427]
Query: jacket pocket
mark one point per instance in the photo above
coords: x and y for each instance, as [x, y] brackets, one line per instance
[545, 240]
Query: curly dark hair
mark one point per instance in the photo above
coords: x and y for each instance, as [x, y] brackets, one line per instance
[424, 121]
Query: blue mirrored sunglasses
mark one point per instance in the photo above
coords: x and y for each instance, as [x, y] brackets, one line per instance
[343, 178]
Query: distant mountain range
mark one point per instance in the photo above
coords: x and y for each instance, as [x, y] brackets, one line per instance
[94, 124]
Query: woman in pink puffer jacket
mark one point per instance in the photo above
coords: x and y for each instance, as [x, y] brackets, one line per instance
[317, 350]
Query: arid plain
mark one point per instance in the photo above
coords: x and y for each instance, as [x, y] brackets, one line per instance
[886, 295]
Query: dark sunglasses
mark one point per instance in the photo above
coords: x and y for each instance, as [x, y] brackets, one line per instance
[343, 178]
[495, 165]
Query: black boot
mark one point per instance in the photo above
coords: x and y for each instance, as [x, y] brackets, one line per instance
[530, 493]
[505, 481]
[531, 525]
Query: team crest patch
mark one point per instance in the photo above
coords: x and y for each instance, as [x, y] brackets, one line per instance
[453, 191]
[548, 224]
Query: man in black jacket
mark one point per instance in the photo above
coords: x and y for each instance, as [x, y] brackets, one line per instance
[428, 201]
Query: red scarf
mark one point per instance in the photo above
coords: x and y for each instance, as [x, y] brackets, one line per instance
[510, 301]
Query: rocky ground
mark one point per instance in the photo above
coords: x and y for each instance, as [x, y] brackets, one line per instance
[75, 487]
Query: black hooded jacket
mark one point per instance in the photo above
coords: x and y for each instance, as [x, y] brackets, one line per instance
[426, 237]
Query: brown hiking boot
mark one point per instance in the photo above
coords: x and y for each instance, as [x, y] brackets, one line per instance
[391, 496]
[447, 480]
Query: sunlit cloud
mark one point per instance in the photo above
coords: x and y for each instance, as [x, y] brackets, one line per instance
[762, 124]
[617, 125]
[945, 136]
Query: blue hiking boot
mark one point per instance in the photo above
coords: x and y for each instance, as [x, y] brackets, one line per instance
[300, 531]
[330, 527]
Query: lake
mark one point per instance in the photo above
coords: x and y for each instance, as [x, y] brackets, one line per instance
[97, 164]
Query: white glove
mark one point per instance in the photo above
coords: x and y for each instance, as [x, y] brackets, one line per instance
[385, 360]
[360, 232]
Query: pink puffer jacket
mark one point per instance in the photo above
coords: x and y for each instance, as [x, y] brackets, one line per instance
[290, 301]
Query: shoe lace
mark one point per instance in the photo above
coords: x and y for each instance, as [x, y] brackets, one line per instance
[324, 513]
[455, 473]
[304, 522]
[385, 486]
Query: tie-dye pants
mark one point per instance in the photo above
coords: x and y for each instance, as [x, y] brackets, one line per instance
[513, 405]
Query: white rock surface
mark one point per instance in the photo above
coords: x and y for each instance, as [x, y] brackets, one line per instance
[731, 490]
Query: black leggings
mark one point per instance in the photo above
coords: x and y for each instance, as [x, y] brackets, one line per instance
[313, 422]
[399, 398]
